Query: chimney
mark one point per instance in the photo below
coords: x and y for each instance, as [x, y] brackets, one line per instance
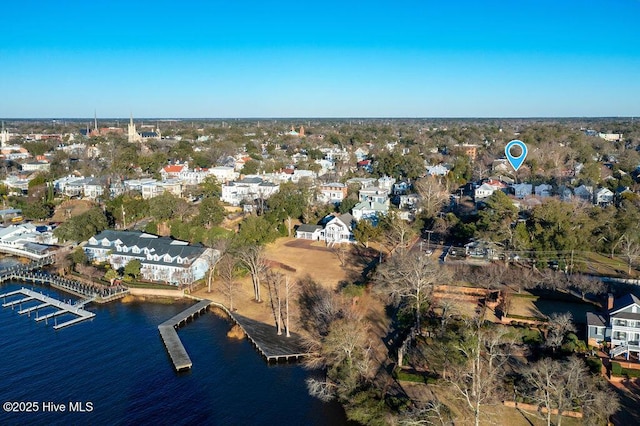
[609, 301]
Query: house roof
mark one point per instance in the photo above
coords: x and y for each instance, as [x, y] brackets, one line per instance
[346, 218]
[624, 301]
[595, 320]
[155, 244]
[308, 228]
[370, 205]
[173, 168]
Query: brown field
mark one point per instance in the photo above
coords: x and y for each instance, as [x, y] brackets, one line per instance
[296, 259]
[309, 258]
[71, 208]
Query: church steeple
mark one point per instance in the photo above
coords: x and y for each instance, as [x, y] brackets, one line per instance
[132, 133]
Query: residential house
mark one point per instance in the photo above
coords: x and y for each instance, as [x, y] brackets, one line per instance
[500, 165]
[370, 210]
[224, 173]
[386, 182]
[36, 166]
[364, 182]
[339, 229]
[333, 192]
[620, 326]
[85, 187]
[173, 170]
[437, 170]
[522, 190]
[603, 197]
[408, 201]
[544, 190]
[486, 189]
[162, 259]
[584, 192]
[483, 250]
[376, 194]
[247, 190]
[565, 193]
[401, 188]
[310, 232]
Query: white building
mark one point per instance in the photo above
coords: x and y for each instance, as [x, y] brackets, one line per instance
[224, 173]
[369, 210]
[162, 259]
[247, 190]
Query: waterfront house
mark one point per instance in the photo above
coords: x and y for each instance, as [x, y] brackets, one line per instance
[162, 259]
[620, 327]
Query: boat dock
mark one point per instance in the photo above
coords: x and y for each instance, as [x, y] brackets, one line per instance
[262, 336]
[265, 339]
[172, 342]
[46, 301]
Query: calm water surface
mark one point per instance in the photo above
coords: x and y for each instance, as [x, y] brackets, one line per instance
[118, 364]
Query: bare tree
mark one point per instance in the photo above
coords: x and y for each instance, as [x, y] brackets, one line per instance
[410, 277]
[318, 307]
[221, 245]
[434, 194]
[289, 289]
[484, 351]
[432, 412]
[559, 326]
[274, 282]
[398, 233]
[568, 386]
[227, 271]
[341, 250]
[252, 257]
[630, 246]
[543, 379]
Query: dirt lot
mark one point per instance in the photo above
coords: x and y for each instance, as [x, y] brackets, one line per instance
[71, 208]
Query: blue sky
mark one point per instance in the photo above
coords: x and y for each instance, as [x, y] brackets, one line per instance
[322, 59]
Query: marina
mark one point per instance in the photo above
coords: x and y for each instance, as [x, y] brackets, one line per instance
[47, 302]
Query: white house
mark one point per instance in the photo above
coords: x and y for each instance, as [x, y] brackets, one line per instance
[438, 170]
[162, 259]
[224, 173]
[386, 182]
[620, 327]
[369, 210]
[379, 195]
[484, 191]
[339, 230]
[247, 190]
[603, 196]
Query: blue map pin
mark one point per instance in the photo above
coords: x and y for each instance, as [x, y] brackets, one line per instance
[515, 162]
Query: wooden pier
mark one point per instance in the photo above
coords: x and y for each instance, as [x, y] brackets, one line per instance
[265, 339]
[46, 301]
[175, 348]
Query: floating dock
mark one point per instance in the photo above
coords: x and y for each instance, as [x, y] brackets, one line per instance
[172, 342]
[46, 301]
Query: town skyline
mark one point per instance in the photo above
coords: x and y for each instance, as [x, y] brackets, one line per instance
[339, 61]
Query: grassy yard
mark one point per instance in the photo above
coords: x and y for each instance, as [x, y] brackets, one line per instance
[541, 307]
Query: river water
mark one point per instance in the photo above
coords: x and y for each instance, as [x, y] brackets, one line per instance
[114, 369]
